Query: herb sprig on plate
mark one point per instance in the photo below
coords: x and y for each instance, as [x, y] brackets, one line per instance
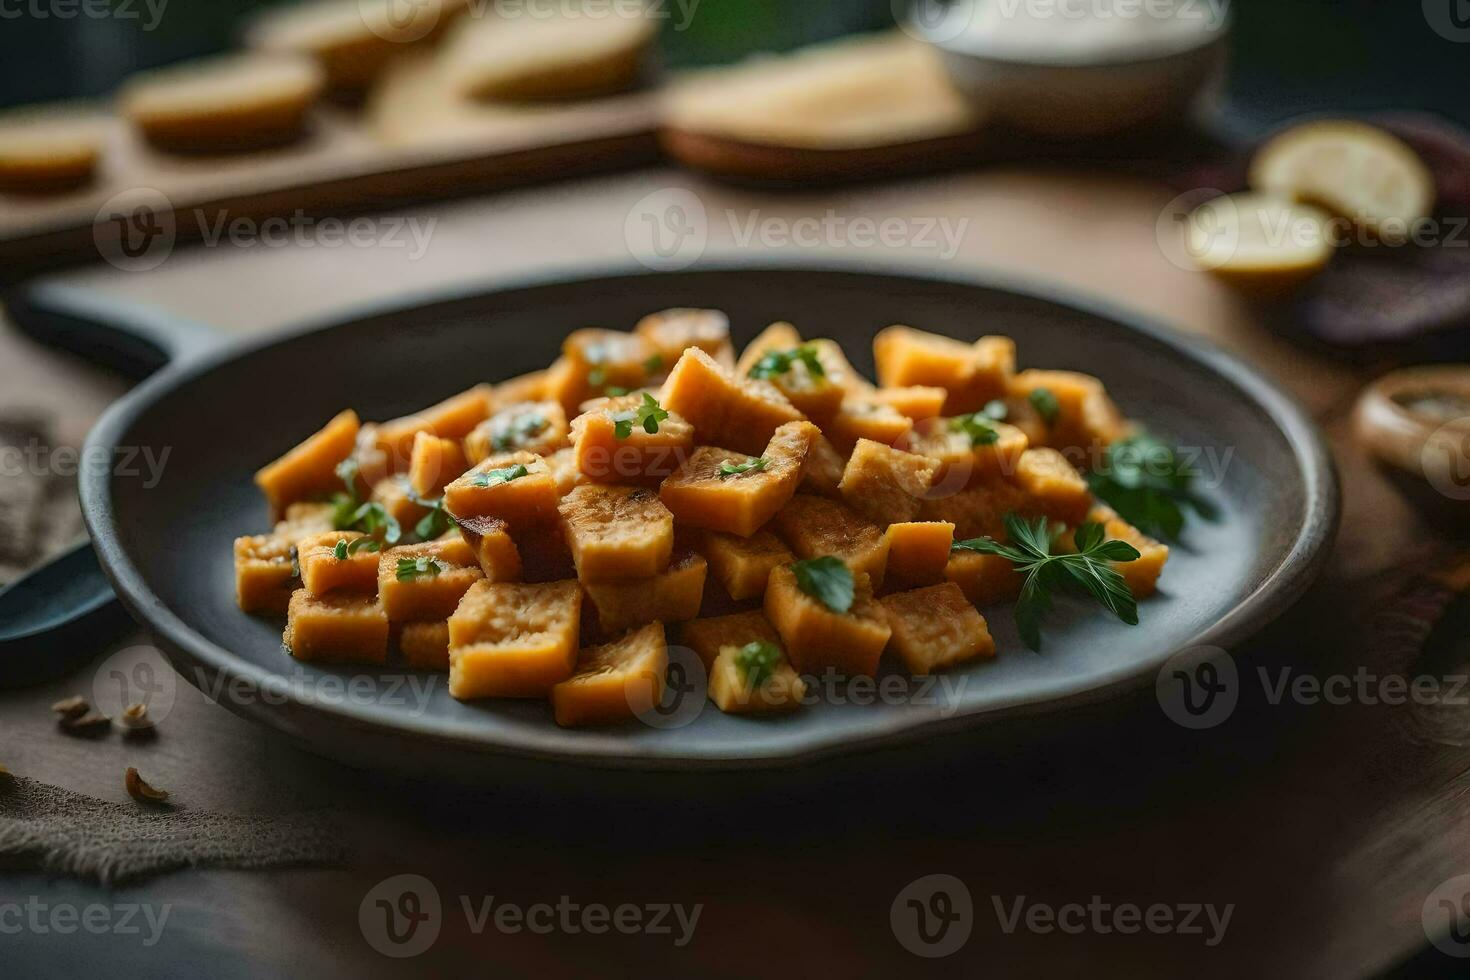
[827, 580]
[1146, 482]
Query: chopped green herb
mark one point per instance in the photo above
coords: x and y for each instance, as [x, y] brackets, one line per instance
[777, 362]
[654, 364]
[980, 428]
[996, 410]
[728, 468]
[1145, 481]
[436, 522]
[757, 662]
[613, 391]
[828, 580]
[1046, 405]
[648, 415]
[517, 430]
[494, 478]
[1089, 570]
[346, 549]
[369, 518]
[340, 551]
[412, 568]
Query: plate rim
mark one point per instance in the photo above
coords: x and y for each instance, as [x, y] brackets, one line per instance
[1272, 595]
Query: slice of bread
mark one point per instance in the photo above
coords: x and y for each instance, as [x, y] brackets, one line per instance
[230, 103]
[45, 149]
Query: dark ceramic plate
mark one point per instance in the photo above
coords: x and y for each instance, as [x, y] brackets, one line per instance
[167, 548]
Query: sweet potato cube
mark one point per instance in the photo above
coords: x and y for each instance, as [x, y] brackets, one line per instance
[1056, 489]
[564, 469]
[529, 387]
[433, 463]
[815, 394]
[1141, 574]
[959, 461]
[1086, 422]
[936, 627]
[617, 533]
[452, 418]
[309, 470]
[497, 487]
[341, 628]
[264, 579]
[730, 688]
[706, 493]
[866, 417]
[984, 579]
[671, 332]
[706, 637]
[538, 427]
[594, 360]
[614, 682]
[508, 640]
[743, 565]
[546, 556]
[323, 572]
[417, 581]
[397, 500]
[725, 410]
[821, 474]
[303, 520]
[917, 402]
[884, 484]
[425, 645]
[671, 596]
[973, 374]
[918, 551]
[978, 511]
[816, 638]
[494, 549]
[638, 457]
[776, 337]
[816, 526]
[455, 548]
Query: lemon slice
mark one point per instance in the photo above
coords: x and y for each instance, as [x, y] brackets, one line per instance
[1261, 244]
[1352, 169]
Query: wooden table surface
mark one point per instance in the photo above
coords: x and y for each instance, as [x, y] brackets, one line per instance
[1323, 828]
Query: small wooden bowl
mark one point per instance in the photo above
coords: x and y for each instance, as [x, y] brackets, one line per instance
[1416, 425]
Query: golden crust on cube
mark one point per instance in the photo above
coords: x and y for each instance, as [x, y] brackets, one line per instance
[1055, 487]
[433, 463]
[426, 595]
[323, 572]
[918, 552]
[816, 396]
[642, 458]
[816, 526]
[528, 387]
[725, 410]
[617, 532]
[821, 473]
[729, 687]
[397, 500]
[743, 565]
[936, 627]
[564, 469]
[984, 579]
[310, 469]
[973, 374]
[977, 512]
[866, 417]
[917, 402]
[884, 484]
[494, 549]
[510, 640]
[671, 596]
[594, 360]
[425, 645]
[960, 463]
[1087, 420]
[706, 637]
[452, 418]
[264, 579]
[818, 639]
[671, 332]
[614, 682]
[700, 495]
[304, 520]
[538, 427]
[529, 499]
[341, 628]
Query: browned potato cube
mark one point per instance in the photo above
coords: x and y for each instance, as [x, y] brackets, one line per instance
[977, 512]
[433, 463]
[516, 487]
[342, 628]
[310, 470]
[672, 596]
[706, 637]
[918, 402]
[821, 473]
[456, 549]
[936, 627]
[564, 469]
[1086, 421]
[397, 500]
[417, 581]
[426, 645]
[594, 361]
[730, 492]
[614, 682]
[973, 374]
[866, 417]
[816, 638]
[816, 526]
[1056, 489]
[984, 579]
[917, 553]
[617, 532]
[885, 485]
[538, 427]
[814, 393]
[529, 387]
[264, 579]
[453, 418]
[638, 456]
[327, 568]
[731, 685]
[508, 640]
[743, 565]
[741, 413]
[304, 520]
[494, 549]
[776, 337]
[672, 332]
[959, 461]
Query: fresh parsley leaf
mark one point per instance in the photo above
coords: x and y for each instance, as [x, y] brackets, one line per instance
[654, 364]
[777, 362]
[1046, 405]
[757, 662]
[728, 468]
[436, 522]
[828, 580]
[1089, 571]
[979, 427]
[346, 549]
[996, 410]
[369, 518]
[614, 391]
[411, 568]
[340, 552]
[648, 415]
[1144, 480]
[494, 478]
